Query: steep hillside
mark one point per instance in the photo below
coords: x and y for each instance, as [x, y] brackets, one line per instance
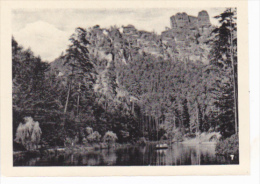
[185, 41]
[133, 82]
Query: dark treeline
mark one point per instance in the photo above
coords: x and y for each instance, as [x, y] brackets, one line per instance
[108, 82]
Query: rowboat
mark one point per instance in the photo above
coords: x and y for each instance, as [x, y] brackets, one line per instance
[161, 146]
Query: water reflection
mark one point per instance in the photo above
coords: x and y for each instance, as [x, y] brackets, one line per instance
[176, 154]
[180, 154]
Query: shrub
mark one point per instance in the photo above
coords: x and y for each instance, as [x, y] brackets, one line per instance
[209, 137]
[84, 141]
[214, 136]
[94, 137]
[89, 130]
[68, 142]
[156, 135]
[124, 134]
[190, 135]
[71, 141]
[53, 134]
[164, 137]
[142, 141]
[178, 136]
[28, 134]
[228, 146]
[174, 135]
[110, 137]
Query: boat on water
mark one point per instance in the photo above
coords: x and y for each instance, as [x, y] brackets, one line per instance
[161, 146]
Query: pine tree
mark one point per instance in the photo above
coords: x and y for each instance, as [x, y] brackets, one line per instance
[224, 51]
[82, 75]
[185, 114]
[28, 78]
[225, 105]
[111, 79]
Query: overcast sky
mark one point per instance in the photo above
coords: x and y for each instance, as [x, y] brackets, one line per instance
[46, 32]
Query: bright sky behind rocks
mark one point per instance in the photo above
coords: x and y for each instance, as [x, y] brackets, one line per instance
[47, 32]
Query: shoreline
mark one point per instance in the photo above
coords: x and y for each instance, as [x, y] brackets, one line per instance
[83, 148]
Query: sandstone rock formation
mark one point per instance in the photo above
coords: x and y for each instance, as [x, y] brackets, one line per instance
[186, 39]
[130, 29]
[181, 20]
[203, 19]
[188, 35]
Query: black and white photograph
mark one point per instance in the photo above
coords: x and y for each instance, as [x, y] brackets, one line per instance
[125, 87]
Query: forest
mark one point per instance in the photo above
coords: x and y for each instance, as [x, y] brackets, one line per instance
[106, 87]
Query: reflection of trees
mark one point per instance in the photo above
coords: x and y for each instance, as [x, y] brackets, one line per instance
[89, 159]
[222, 160]
[178, 154]
[109, 156]
[92, 159]
[195, 154]
[33, 161]
[208, 154]
[193, 157]
[161, 157]
[72, 159]
[171, 158]
[142, 151]
[203, 155]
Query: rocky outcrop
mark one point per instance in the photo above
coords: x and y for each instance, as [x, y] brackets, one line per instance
[203, 19]
[188, 35]
[182, 20]
[193, 21]
[130, 29]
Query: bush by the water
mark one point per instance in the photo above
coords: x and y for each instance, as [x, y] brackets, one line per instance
[69, 142]
[110, 137]
[202, 137]
[142, 141]
[178, 137]
[173, 135]
[228, 146]
[28, 134]
[209, 137]
[89, 130]
[94, 137]
[156, 135]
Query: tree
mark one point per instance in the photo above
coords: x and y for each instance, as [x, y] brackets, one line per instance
[185, 114]
[224, 51]
[135, 92]
[28, 78]
[28, 84]
[28, 134]
[89, 130]
[225, 103]
[82, 74]
[110, 137]
[111, 79]
[94, 137]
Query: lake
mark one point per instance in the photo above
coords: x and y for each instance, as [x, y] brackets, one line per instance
[176, 154]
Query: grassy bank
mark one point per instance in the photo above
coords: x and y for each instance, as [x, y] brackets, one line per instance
[228, 146]
[212, 137]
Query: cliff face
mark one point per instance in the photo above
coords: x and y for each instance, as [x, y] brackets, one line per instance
[186, 39]
[203, 19]
[188, 35]
[182, 20]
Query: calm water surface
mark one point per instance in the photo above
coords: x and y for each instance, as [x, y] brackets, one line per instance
[177, 154]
